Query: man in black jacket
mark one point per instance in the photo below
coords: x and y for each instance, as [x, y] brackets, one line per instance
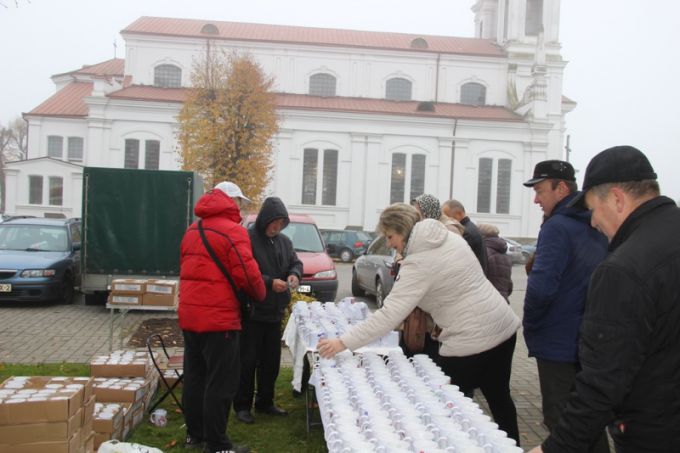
[261, 335]
[630, 340]
[455, 210]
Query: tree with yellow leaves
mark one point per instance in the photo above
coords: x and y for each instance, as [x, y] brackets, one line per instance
[227, 122]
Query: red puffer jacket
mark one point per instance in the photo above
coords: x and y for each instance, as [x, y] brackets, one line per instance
[206, 300]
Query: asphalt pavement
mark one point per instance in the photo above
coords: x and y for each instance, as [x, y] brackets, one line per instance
[75, 333]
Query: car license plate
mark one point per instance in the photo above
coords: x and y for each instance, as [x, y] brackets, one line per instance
[304, 289]
[5, 288]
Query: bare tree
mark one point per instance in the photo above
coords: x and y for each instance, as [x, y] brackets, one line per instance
[13, 146]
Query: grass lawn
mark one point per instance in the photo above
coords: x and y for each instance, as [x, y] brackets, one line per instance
[268, 434]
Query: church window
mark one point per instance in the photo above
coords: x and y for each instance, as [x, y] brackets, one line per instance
[398, 89]
[167, 76]
[488, 180]
[322, 84]
[35, 189]
[473, 94]
[55, 146]
[534, 17]
[75, 149]
[152, 154]
[131, 153]
[56, 190]
[407, 179]
[327, 178]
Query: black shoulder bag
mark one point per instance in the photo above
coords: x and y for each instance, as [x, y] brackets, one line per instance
[243, 299]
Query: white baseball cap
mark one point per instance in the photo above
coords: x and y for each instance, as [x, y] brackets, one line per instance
[232, 190]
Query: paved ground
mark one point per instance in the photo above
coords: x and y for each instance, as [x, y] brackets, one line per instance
[75, 333]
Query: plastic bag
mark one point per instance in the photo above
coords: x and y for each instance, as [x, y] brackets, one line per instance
[114, 446]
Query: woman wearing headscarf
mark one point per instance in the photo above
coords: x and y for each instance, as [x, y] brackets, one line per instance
[441, 275]
[429, 207]
[499, 270]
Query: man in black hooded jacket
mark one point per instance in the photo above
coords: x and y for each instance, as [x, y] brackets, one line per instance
[261, 334]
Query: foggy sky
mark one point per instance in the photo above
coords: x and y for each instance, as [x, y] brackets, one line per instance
[623, 68]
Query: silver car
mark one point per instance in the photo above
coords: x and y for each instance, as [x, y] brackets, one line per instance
[372, 272]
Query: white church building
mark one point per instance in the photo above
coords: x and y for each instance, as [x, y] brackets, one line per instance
[366, 118]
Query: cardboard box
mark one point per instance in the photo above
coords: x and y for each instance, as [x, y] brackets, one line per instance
[161, 287]
[41, 432]
[37, 399]
[108, 418]
[121, 364]
[113, 390]
[72, 445]
[88, 410]
[128, 286]
[160, 300]
[125, 299]
[88, 444]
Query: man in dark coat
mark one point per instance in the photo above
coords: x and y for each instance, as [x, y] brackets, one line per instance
[261, 340]
[455, 210]
[210, 317]
[630, 341]
[567, 252]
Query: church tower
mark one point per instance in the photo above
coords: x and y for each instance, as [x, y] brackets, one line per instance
[516, 24]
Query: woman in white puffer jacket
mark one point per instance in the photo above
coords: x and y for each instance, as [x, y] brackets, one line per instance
[441, 275]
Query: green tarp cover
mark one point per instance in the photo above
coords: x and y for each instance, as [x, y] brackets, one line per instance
[134, 220]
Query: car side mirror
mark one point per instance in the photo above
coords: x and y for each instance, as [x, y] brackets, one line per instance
[389, 264]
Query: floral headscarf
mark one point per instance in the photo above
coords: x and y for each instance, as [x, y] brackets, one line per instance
[429, 206]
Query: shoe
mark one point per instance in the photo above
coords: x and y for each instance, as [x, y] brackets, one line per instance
[272, 410]
[245, 417]
[193, 442]
[297, 394]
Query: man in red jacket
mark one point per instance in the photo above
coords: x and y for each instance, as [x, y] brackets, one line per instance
[210, 317]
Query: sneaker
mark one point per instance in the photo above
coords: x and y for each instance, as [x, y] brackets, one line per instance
[193, 442]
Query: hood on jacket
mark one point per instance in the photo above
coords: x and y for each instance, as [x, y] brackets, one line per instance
[272, 209]
[426, 235]
[217, 203]
[496, 243]
[578, 213]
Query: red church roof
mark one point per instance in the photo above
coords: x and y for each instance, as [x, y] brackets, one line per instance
[67, 102]
[239, 31]
[112, 67]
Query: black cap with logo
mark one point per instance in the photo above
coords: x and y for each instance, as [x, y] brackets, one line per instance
[551, 169]
[616, 164]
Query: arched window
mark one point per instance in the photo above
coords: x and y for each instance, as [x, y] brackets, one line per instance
[312, 169]
[167, 76]
[487, 178]
[398, 89]
[473, 94]
[407, 177]
[322, 84]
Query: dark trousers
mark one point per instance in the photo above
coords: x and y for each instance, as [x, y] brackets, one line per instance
[490, 372]
[557, 382]
[261, 358]
[211, 373]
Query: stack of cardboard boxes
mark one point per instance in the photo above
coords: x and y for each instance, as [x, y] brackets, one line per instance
[124, 382]
[46, 415]
[151, 292]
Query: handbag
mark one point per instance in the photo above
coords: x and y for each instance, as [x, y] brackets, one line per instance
[244, 301]
[414, 329]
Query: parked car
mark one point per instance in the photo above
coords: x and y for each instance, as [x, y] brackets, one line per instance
[372, 272]
[346, 244]
[39, 259]
[319, 276]
[515, 251]
[528, 250]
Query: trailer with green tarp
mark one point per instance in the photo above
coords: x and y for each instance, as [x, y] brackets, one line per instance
[132, 225]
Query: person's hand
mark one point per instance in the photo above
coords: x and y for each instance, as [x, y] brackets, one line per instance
[328, 347]
[536, 450]
[279, 286]
[293, 281]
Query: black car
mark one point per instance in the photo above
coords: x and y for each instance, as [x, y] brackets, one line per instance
[346, 244]
[39, 259]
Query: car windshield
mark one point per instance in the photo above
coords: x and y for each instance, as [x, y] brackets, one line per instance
[33, 238]
[305, 237]
[364, 236]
